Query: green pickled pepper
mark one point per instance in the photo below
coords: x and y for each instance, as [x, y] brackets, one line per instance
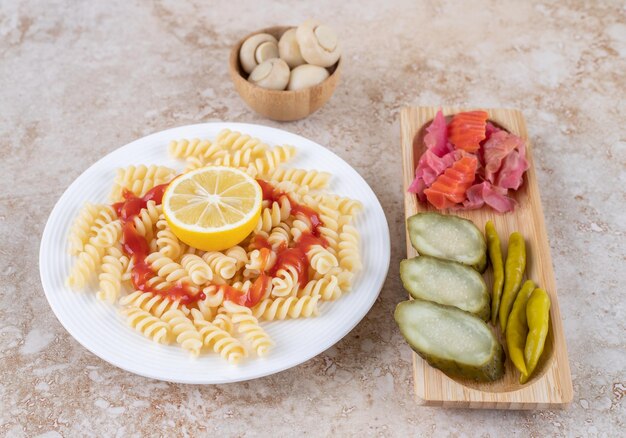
[517, 327]
[514, 268]
[495, 255]
[538, 317]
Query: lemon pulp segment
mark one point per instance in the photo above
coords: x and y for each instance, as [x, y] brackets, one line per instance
[212, 206]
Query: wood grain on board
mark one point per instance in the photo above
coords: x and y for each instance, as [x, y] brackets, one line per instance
[551, 384]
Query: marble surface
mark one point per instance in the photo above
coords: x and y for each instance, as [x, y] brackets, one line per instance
[80, 79]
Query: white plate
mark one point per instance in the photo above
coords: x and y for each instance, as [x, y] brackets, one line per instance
[98, 326]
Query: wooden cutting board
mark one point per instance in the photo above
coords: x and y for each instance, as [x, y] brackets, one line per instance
[551, 384]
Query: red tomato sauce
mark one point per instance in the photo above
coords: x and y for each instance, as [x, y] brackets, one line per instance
[272, 194]
[296, 256]
[254, 295]
[136, 246]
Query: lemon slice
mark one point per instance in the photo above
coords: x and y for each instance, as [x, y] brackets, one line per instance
[213, 208]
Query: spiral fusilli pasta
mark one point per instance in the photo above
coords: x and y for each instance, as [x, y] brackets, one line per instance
[260, 261]
[272, 216]
[86, 266]
[140, 179]
[147, 219]
[222, 265]
[285, 282]
[321, 259]
[80, 231]
[166, 241]
[239, 254]
[108, 234]
[289, 307]
[198, 270]
[150, 326]
[326, 288]
[110, 279]
[345, 206]
[218, 339]
[184, 330]
[190, 148]
[223, 321]
[249, 327]
[348, 252]
[272, 159]
[214, 296]
[155, 304]
[166, 268]
[311, 178]
[236, 141]
[299, 227]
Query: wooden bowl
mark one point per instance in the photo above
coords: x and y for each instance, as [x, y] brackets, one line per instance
[282, 105]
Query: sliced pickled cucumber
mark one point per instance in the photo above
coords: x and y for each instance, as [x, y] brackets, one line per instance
[446, 282]
[448, 237]
[454, 341]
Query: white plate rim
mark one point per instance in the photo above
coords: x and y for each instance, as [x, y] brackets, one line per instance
[243, 127]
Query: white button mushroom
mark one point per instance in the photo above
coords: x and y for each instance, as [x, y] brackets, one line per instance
[318, 43]
[289, 50]
[272, 74]
[305, 76]
[256, 49]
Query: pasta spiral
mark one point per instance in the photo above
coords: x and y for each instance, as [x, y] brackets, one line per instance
[272, 159]
[167, 268]
[326, 288]
[285, 282]
[239, 254]
[222, 265]
[189, 148]
[243, 286]
[81, 227]
[150, 326]
[249, 327]
[223, 321]
[185, 331]
[113, 265]
[155, 304]
[260, 261]
[214, 296]
[311, 178]
[85, 267]
[158, 283]
[321, 259]
[344, 278]
[279, 236]
[105, 217]
[332, 238]
[348, 253]
[199, 271]
[194, 163]
[290, 307]
[236, 141]
[345, 206]
[146, 220]
[241, 159]
[167, 242]
[140, 179]
[219, 340]
[108, 234]
[298, 227]
[272, 216]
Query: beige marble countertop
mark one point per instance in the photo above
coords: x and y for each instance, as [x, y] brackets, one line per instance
[80, 79]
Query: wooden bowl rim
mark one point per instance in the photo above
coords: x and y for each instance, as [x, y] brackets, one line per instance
[235, 67]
